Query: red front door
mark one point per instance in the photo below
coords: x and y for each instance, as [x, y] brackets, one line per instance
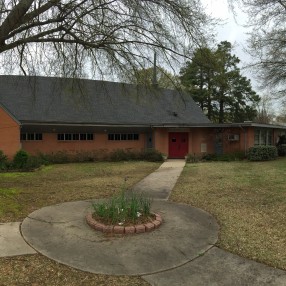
[178, 144]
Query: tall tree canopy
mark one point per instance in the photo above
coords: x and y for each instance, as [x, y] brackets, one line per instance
[214, 81]
[267, 42]
[145, 76]
[67, 38]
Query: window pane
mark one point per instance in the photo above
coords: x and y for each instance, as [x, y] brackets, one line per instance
[263, 137]
[116, 136]
[123, 136]
[31, 136]
[110, 136]
[269, 139]
[136, 136]
[75, 136]
[83, 136]
[68, 136]
[89, 136]
[38, 136]
[256, 137]
[61, 137]
[23, 136]
[130, 136]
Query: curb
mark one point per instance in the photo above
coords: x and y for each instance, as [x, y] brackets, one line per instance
[117, 229]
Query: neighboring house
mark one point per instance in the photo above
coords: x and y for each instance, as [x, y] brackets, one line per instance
[47, 115]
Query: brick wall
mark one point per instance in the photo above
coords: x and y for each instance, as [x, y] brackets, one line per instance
[9, 134]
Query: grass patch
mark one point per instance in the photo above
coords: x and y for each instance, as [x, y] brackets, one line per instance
[38, 270]
[22, 193]
[8, 201]
[249, 201]
[66, 182]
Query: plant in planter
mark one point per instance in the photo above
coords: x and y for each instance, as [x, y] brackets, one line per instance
[124, 213]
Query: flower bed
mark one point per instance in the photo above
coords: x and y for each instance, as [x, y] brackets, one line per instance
[128, 229]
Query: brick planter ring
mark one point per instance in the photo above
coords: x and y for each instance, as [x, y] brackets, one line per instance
[117, 229]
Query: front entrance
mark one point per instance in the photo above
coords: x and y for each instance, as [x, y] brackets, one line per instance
[178, 144]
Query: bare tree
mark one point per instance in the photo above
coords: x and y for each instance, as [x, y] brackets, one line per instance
[69, 38]
[267, 42]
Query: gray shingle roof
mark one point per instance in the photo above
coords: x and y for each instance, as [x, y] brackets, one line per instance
[55, 100]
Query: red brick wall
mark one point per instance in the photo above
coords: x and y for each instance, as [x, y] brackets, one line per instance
[161, 140]
[9, 134]
[50, 144]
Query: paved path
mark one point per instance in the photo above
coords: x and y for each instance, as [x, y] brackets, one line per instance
[159, 184]
[11, 240]
[180, 252]
[60, 233]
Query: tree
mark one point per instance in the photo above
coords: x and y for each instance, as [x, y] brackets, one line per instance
[164, 79]
[216, 84]
[69, 38]
[265, 112]
[197, 77]
[267, 42]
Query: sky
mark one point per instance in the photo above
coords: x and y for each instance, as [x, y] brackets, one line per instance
[232, 30]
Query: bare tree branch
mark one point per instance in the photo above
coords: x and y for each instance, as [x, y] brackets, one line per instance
[120, 33]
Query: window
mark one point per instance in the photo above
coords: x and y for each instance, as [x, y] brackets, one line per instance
[123, 136]
[75, 136]
[263, 136]
[89, 136]
[31, 136]
[110, 136]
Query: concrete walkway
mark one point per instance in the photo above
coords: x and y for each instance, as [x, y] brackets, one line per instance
[159, 184]
[180, 252]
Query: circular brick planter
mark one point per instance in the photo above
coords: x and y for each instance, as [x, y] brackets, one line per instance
[117, 229]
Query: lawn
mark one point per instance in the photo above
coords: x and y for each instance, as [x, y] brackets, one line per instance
[249, 201]
[22, 193]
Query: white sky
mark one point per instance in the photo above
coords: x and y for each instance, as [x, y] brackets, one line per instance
[234, 32]
[232, 29]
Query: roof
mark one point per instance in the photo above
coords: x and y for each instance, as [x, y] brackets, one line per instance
[69, 101]
[238, 125]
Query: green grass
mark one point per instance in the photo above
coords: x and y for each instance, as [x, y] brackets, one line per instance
[21, 193]
[249, 201]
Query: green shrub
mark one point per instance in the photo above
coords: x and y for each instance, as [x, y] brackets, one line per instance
[33, 163]
[193, 158]
[234, 156]
[281, 150]
[127, 155]
[119, 155]
[3, 161]
[262, 153]
[20, 159]
[152, 155]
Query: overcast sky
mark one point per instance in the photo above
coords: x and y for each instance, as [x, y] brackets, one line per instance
[232, 30]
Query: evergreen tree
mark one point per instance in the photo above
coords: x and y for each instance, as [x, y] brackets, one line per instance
[214, 81]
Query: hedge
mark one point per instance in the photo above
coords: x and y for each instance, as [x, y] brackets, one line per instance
[262, 153]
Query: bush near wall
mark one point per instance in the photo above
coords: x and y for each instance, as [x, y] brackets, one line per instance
[3, 161]
[262, 153]
[281, 150]
[127, 155]
[234, 156]
[22, 161]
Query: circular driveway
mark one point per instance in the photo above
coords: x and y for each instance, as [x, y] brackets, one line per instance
[61, 233]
